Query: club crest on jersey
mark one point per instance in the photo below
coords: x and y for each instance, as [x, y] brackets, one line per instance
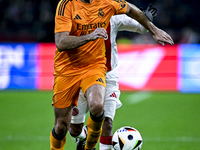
[100, 13]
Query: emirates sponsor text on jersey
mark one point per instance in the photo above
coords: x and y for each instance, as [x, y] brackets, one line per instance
[90, 27]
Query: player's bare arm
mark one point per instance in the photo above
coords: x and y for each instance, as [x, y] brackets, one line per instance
[159, 35]
[64, 41]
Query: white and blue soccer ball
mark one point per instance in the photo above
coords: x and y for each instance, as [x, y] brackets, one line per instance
[127, 138]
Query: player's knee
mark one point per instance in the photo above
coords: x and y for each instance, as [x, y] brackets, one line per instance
[75, 130]
[96, 109]
[61, 127]
[96, 97]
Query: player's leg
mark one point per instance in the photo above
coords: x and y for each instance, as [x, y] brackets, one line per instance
[80, 136]
[112, 102]
[94, 91]
[76, 130]
[65, 96]
[95, 96]
[79, 113]
[77, 121]
[61, 126]
[107, 129]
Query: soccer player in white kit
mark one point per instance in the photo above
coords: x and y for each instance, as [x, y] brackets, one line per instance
[112, 102]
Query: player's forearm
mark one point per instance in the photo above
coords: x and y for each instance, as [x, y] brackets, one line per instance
[68, 42]
[138, 15]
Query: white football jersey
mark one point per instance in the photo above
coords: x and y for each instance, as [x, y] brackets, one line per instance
[118, 23]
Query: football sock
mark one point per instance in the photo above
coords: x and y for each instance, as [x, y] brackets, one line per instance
[105, 143]
[94, 125]
[57, 142]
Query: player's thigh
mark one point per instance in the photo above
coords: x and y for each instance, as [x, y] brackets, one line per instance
[96, 97]
[95, 94]
[94, 88]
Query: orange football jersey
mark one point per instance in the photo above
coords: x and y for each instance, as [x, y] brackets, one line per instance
[78, 19]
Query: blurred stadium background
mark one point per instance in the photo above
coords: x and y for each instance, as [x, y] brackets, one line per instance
[33, 20]
[160, 85]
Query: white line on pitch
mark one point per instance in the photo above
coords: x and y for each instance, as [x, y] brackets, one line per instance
[138, 97]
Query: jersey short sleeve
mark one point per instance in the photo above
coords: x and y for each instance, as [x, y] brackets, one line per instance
[63, 21]
[123, 22]
[120, 6]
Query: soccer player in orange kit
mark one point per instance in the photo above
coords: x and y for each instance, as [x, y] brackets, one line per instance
[79, 61]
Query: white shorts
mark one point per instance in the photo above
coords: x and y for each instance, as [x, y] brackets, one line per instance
[112, 102]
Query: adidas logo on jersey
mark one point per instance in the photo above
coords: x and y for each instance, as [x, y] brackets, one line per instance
[77, 17]
[100, 80]
[113, 95]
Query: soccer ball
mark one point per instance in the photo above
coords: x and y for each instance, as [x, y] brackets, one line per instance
[127, 138]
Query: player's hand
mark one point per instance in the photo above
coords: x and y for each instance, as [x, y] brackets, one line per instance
[162, 37]
[150, 12]
[99, 33]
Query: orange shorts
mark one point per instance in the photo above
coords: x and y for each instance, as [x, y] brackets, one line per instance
[67, 88]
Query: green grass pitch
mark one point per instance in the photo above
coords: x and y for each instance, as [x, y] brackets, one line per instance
[167, 120]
